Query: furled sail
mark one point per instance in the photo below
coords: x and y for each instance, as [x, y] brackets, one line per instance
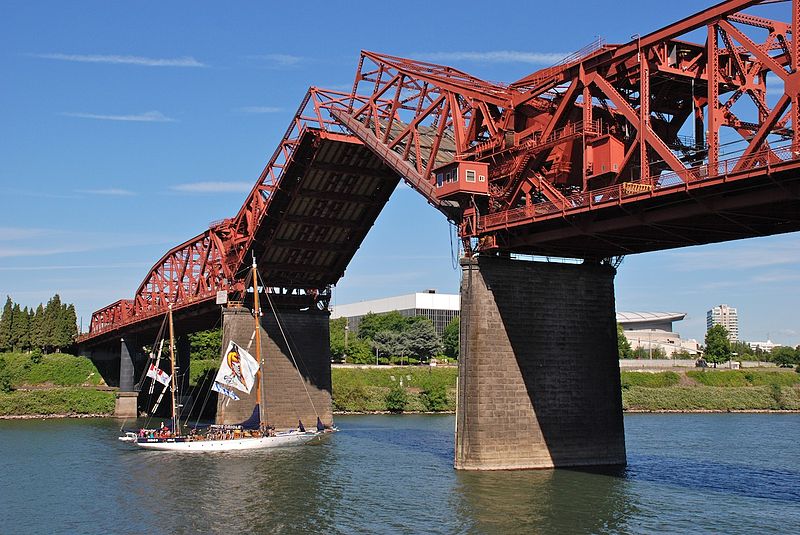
[238, 369]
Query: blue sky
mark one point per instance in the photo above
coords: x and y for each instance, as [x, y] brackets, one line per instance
[128, 127]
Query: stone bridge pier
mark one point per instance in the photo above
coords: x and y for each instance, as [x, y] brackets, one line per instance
[116, 363]
[288, 396]
[539, 383]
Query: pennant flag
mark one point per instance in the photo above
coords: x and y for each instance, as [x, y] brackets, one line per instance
[225, 391]
[238, 369]
[159, 375]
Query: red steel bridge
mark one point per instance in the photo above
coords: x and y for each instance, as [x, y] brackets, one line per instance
[684, 136]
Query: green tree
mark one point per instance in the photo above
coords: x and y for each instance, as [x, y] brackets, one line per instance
[396, 399]
[434, 398]
[372, 323]
[648, 353]
[5, 377]
[5, 325]
[205, 345]
[52, 313]
[339, 341]
[360, 352]
[743, 350]
[19, 328]
[70, 324]
[38, 333]
[784, 356]
[420, 340]
[450, 338]
[623, 345]
[388, 343]
[718, 346]
[62, 328]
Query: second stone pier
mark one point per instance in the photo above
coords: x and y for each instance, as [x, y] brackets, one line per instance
[539, 383]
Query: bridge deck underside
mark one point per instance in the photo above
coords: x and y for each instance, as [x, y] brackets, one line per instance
[328, 198]
[320, 211]
[761, 205]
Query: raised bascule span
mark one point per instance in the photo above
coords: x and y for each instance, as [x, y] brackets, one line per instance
[680, 137]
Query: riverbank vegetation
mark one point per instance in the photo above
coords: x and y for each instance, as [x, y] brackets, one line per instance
[64, 384]
[55, 384]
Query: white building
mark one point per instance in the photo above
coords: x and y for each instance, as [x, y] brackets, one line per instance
[439, 308]
[727, 317]
[766, 347]
[653, 330]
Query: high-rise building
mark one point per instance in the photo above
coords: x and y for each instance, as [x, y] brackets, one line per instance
[727, 317]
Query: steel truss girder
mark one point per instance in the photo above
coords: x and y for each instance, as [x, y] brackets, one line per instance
[536, 134]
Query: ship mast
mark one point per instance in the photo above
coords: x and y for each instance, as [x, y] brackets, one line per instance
[257, 316]
[174, 375]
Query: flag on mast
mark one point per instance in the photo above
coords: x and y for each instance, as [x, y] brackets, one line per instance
[238, 369]
[159, 375]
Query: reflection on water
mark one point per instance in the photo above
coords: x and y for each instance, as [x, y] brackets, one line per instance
[393, 474]
[550, 501]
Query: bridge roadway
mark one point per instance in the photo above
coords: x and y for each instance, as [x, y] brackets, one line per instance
[586, 159]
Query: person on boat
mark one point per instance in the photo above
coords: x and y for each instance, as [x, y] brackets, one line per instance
[300, 426]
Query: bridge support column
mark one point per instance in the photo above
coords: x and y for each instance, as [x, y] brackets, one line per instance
[539, 382]
[288, 396]
[126, 399]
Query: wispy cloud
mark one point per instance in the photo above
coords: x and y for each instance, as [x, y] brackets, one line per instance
[146, 117]
[74, 266]
[15, 252]
[259, 109]
[50, 242]
[113, 192]
[213, 187]
[495, 56]
[20, 233]
[184, 61]
[279, 60]
[754, 255]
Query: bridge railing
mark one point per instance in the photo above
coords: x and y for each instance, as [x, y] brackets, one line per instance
[763, 159]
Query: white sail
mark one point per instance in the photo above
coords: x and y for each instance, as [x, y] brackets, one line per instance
[238, 369]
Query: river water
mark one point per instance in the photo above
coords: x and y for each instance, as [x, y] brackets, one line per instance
[695, 473]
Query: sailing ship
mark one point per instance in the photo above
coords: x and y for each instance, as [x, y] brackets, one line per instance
[239, 370]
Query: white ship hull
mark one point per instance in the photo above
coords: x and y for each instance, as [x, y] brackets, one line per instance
[289, 438]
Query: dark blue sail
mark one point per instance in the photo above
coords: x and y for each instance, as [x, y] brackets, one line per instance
[254, 421]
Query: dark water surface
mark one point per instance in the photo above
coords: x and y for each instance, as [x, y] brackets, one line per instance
[699, 473]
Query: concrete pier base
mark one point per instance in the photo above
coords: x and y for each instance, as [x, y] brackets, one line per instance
[288, 396]
[539, 382]
[126, 402]
[125, 405]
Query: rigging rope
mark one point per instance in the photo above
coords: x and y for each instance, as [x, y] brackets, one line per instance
[291, 353]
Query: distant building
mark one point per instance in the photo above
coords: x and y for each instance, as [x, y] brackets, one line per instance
[766, 347]
[439, 308]
[727, 317]
[653, 330]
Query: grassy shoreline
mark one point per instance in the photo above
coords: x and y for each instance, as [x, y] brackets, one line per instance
[65, 386]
